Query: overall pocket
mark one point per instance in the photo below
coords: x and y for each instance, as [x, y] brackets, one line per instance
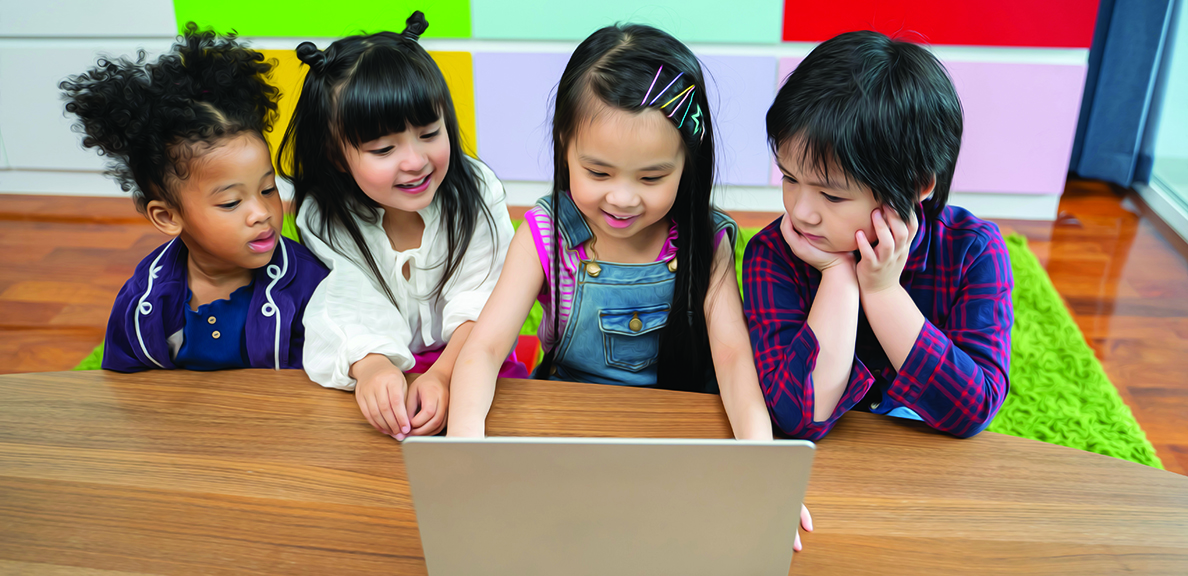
[631, 336]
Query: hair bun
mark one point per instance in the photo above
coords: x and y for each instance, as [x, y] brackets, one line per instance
[308, 53]
[415, 26]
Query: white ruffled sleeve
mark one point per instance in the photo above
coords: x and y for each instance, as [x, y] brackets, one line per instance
[472, 284]
[348, 316]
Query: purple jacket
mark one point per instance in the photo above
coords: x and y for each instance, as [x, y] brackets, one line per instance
[151, 307]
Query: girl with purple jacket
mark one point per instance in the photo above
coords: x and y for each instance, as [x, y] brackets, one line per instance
[185, 135]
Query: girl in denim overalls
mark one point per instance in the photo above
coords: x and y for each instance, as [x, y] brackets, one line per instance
[633, 267]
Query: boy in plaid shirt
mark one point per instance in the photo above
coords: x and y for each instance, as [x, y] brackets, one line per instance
[870, 293]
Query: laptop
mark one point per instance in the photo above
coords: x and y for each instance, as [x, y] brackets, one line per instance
[561, 506]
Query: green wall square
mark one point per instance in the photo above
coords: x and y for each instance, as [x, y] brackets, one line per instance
[320, 19]
[740, 21]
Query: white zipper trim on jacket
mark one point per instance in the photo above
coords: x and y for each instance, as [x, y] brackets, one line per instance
[146, 308]
[270, 308]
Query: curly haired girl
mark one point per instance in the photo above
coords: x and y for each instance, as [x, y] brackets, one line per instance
[185, 137]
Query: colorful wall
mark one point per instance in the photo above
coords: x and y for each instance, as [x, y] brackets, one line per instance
[1019, 67]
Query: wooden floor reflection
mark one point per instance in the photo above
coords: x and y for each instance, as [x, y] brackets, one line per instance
[1122, 274]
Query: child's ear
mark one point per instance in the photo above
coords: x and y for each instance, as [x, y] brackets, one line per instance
[166, 218]
[926, 191]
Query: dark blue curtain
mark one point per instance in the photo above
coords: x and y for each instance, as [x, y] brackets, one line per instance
[1128, 44]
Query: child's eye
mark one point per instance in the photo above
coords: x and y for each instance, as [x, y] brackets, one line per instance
[269, 191]
[431, 135]
[789, 179]
[229, 205]
[597, 174]
[834, 199]
[652, 179]
[381, 151]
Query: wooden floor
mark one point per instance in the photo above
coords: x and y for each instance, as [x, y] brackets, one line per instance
[63, 259]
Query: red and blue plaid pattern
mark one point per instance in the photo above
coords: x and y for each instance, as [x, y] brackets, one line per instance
[955, 377]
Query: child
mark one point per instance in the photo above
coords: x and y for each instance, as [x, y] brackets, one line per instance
[413, 230]
[637, 284]
[186, 137]
[915, 324]
[640, 290]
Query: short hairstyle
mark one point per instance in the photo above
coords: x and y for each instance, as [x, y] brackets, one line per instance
[883, 110]
[153, 119]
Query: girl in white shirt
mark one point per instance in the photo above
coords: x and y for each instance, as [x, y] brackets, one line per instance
[414, 232]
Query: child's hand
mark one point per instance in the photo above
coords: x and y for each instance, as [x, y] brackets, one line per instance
[882, 265]
[380, 392]
[806, 522]
[813, 256]
[428, 397]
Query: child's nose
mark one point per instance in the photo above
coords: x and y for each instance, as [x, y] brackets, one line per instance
[258, 212]
[623, 197]
[804, 212]
[413, 160]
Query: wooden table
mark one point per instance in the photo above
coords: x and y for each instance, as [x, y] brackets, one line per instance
[265, 472]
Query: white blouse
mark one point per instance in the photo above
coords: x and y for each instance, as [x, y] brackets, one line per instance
[349, 316]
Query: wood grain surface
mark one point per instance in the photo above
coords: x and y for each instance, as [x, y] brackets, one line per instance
[265, 472]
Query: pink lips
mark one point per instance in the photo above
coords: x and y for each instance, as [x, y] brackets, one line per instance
[424, 185]
[265, 242]
[812, 237]
[616, 222]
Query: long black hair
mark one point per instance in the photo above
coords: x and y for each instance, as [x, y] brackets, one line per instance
[357, 90]
[153, 119]
[885, 111]
[633, 68]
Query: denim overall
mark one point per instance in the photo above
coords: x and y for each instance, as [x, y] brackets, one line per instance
[613, 332]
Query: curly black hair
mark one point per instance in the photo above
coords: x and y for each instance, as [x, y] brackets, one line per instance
[152, 119]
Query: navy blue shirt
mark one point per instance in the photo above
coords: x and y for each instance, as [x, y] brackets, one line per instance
[213, 336]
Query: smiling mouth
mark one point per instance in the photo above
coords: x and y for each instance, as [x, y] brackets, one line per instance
[617, 221]
[417, 186]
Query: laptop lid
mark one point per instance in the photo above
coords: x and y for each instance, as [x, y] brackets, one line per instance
[554, 506]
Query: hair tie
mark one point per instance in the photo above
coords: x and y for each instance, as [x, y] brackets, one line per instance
[309, 54]
[415, 26]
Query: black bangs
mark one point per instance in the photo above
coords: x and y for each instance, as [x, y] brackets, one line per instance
[882, 111]
[389, 92]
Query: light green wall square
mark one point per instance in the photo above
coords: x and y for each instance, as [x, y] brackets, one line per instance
[740, 21]
[321, 19]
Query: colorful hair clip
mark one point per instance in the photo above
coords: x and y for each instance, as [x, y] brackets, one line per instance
[649, 93]
[685, 92]
[686, 114]
[661, 93]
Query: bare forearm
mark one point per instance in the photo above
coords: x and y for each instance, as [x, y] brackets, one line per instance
[895, 320]
[474, 389]
[445, 363]
[833, 318]
[741, 396]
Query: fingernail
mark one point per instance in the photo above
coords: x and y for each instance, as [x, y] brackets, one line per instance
[406, 429]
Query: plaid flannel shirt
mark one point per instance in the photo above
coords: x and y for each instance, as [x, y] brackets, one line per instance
[955, 377]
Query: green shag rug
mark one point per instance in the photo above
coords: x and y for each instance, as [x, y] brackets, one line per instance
[1059, 392]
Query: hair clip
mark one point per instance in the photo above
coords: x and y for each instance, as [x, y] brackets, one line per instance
[686, 112]
[678, 106]
[695, 118]
[649, 93]
[661, 93]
